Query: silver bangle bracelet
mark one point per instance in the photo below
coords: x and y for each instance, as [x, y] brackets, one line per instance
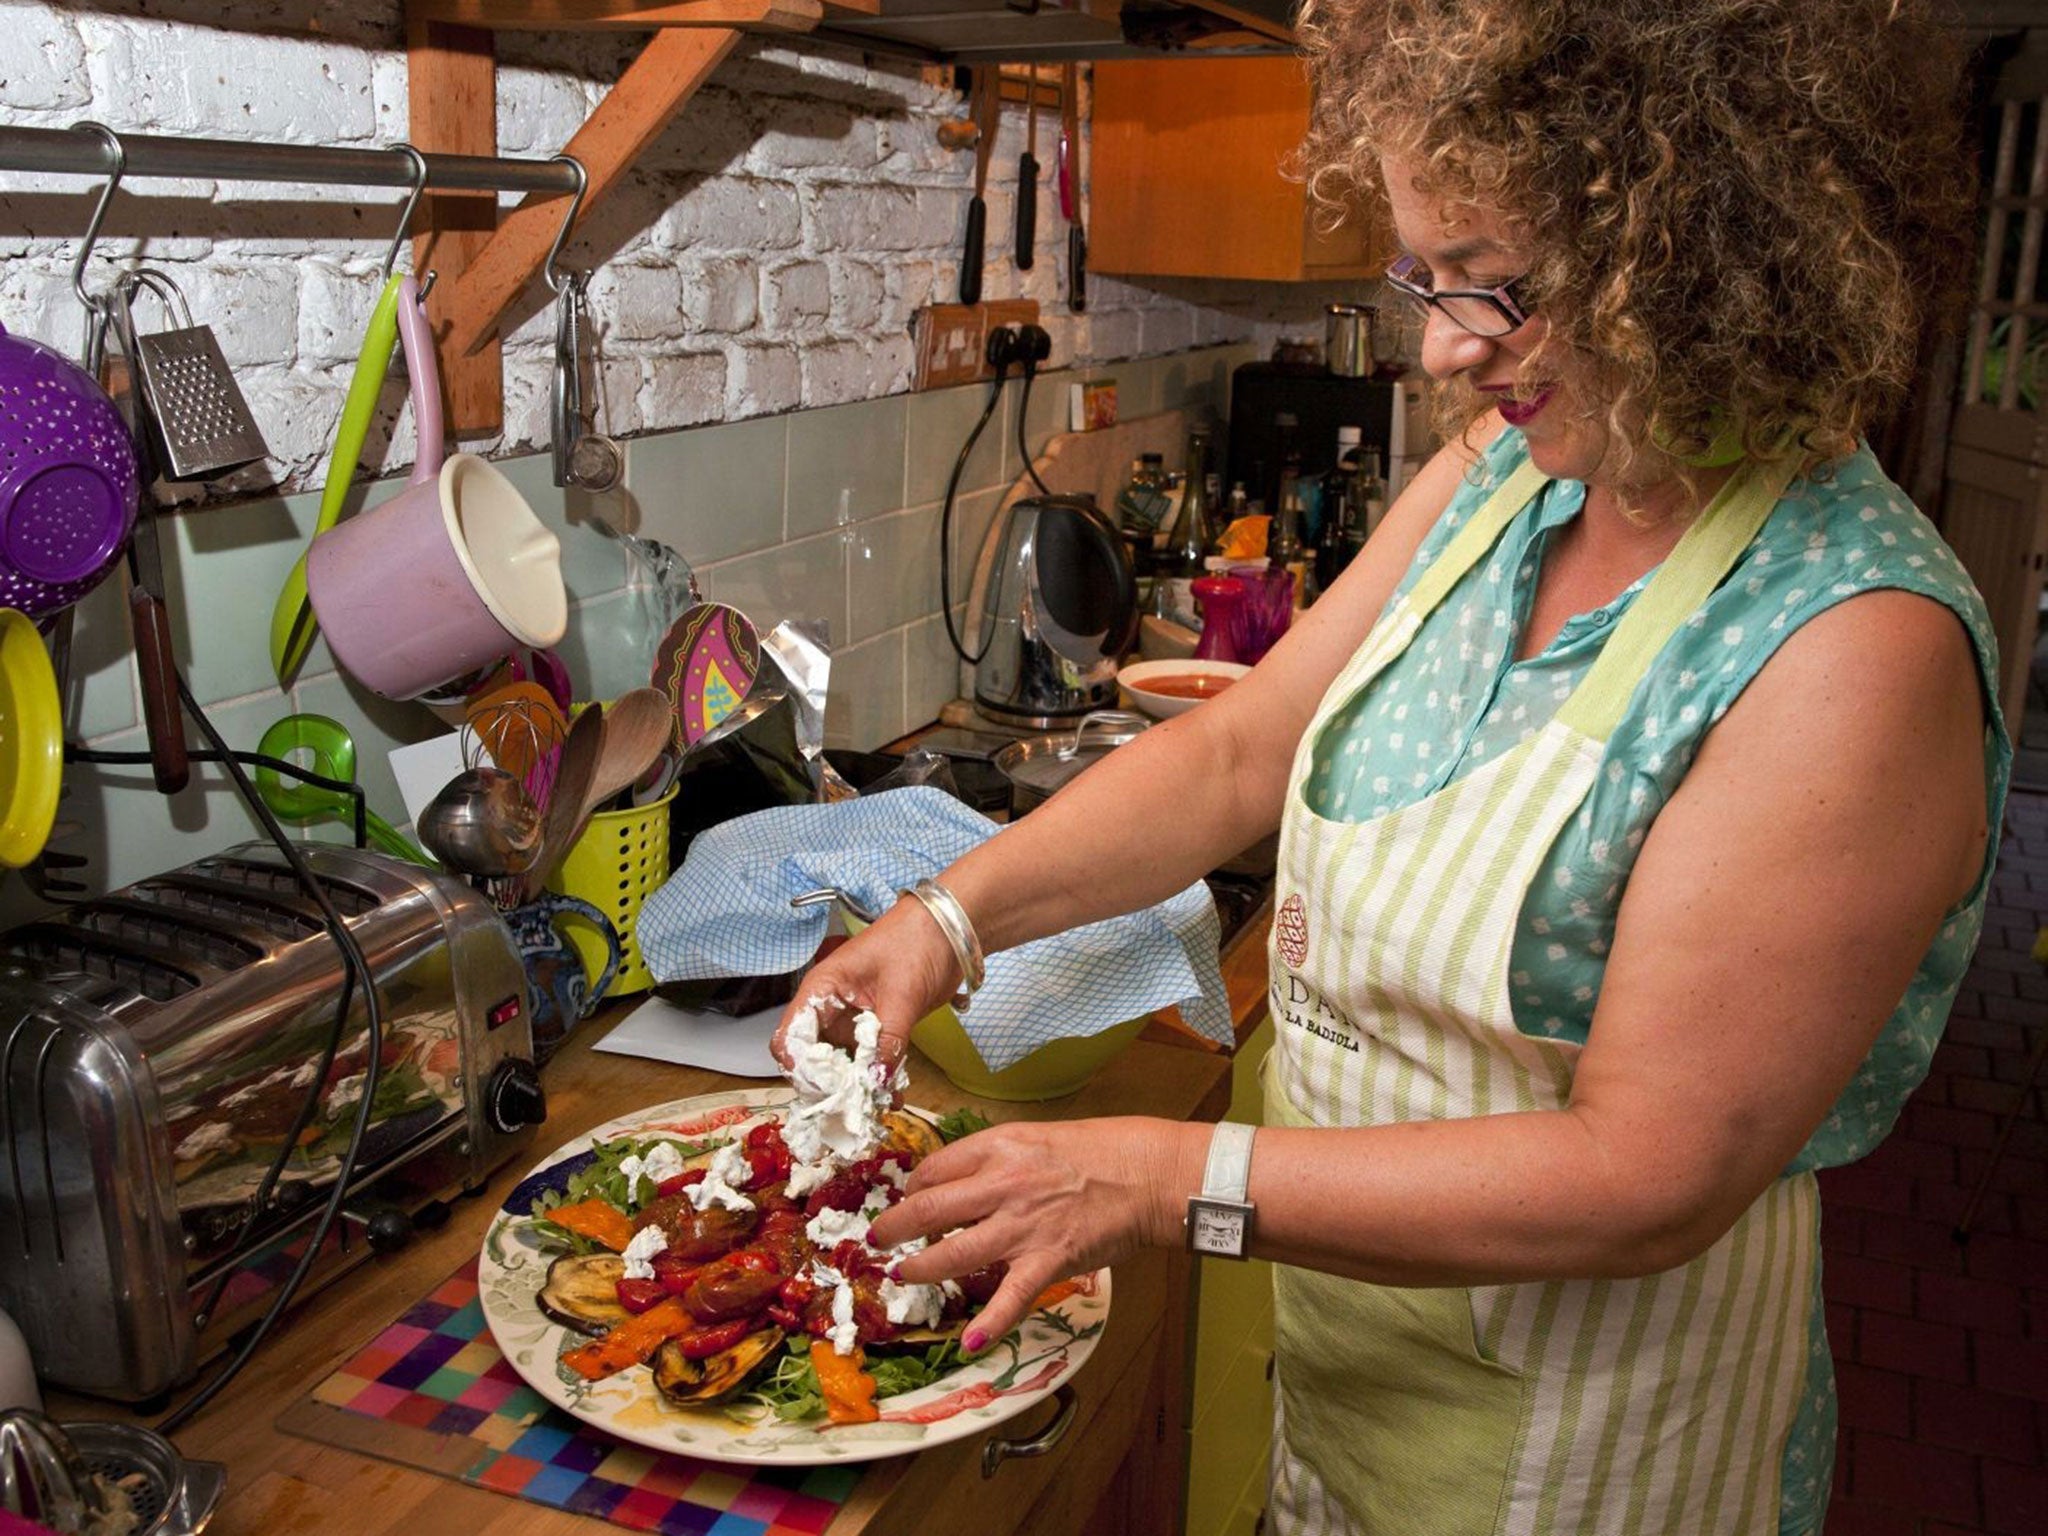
[958, 929]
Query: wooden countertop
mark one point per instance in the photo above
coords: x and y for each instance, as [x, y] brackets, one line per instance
[280, 1483]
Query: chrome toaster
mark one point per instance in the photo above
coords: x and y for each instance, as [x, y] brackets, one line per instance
[157, 1048]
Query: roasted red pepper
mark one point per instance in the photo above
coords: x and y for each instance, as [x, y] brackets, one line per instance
[641, 1295]
[703, 1343]
[680, 1182]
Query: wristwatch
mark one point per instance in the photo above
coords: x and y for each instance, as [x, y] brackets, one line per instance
[1219, 1219]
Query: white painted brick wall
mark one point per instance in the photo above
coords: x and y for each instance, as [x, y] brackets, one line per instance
[768, 252]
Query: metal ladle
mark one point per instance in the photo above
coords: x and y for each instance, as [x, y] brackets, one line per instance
[483, 823]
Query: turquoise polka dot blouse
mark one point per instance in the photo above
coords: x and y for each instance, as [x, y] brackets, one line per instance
[1456, 698]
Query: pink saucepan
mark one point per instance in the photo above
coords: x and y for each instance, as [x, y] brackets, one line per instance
[449, 575]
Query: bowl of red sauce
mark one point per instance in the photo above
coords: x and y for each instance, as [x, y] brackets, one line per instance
[1163, 689]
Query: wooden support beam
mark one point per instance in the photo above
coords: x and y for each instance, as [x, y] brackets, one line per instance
[654, 88]
[452, 110]
[626, 15]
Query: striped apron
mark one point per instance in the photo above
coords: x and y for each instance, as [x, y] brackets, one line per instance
[1613, 1406]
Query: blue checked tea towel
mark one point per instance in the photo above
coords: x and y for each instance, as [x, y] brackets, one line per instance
[726, 912]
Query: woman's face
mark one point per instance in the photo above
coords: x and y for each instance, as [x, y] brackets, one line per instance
[1464, 246]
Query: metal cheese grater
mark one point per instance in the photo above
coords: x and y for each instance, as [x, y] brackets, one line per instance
[199, 421]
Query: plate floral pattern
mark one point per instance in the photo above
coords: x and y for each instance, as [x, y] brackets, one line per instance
[1005, 1381]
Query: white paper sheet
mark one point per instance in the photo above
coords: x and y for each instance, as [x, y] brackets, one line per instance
[423, 768]
[660, 1031]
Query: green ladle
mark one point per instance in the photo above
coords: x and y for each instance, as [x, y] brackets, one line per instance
[331, 753]
[292, 626]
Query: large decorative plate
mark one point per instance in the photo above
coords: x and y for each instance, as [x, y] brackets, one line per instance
[1004, 1382]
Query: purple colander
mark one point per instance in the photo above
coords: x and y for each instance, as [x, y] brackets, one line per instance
[67, 479]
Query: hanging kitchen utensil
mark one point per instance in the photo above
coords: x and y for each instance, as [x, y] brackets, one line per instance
[54, 873]
[329, 751]
[1027, 176]
[452, 574]
[68, 491]
[292, 625]
[31, 740]
[986, 94]
[705, 664]
[1070, 188]
[583, 456]
[199, 423]
[156, 660]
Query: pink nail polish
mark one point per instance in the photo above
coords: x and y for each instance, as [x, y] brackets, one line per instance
[894, 1272]
[975, 1342]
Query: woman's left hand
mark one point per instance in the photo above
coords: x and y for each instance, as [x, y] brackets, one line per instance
[1050, 1199]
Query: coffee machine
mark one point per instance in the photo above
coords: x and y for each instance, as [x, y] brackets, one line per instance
[1058, 609]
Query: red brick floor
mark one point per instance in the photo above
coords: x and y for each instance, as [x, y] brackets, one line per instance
[1942, 1347]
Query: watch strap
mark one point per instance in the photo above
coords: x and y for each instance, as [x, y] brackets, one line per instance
[1227, 1175]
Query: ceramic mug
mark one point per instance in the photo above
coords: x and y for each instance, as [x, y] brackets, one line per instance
[560, 993]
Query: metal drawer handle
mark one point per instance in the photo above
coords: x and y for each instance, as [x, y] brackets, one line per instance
[994, 1452]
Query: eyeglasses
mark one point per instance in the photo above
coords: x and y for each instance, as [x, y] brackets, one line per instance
[1482, 311]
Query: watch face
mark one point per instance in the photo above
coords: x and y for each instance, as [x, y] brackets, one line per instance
[1217, 1231]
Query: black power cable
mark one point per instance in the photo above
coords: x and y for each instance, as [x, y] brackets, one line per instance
[995, 395]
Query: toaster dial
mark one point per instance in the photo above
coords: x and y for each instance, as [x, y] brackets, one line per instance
[514, 1098]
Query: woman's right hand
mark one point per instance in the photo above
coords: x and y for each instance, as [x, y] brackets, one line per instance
[900, 968]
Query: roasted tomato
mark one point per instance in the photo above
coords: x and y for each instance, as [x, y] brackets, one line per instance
[682, 1181]
[730, 1289]
[693, 1235]
[768, 1159]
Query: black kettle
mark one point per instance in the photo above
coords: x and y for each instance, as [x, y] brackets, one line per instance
[1058, 612]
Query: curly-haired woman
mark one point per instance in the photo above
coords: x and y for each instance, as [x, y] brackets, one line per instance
[1633, 786]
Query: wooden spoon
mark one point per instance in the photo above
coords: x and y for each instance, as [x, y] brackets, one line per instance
[636, 728]
[565, 802]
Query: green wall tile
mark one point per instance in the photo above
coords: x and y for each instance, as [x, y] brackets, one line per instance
[865, 707]
[939, 421]
[712, 492]
[845, 461]
[223, 568]
[892, 571]
[101, 697]
[801, 580]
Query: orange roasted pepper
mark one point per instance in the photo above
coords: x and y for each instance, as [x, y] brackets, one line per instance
[599, 1220]
[848, 1389]
[631, 1342]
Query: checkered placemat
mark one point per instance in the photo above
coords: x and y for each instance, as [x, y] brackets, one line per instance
[433, 1391]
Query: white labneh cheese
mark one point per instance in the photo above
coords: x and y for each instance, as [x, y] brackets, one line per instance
[845, 1333]
[661, 1163]
[840, 1099]
[828, 1229]
[640, 1252]
[719, 1187]
[913, 1305]
[805, 1177]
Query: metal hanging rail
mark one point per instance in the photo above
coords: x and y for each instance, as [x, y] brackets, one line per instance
[86, 153]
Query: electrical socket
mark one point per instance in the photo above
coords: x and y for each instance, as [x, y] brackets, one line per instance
[952, 339]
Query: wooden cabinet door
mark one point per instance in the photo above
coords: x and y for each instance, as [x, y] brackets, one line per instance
[1191, 175]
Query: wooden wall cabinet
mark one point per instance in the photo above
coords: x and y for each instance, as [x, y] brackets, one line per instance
[1189, 176]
